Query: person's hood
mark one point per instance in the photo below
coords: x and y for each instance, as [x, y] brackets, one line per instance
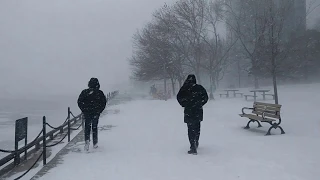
[94, 83]
[191, 80]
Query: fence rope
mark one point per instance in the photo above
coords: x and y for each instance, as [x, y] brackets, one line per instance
[9, 151]
[30, 167]
[59, 127]
[6, 151]
[72, 114]
[51, 145]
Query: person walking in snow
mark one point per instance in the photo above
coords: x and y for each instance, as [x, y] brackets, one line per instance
[192, 97]
[92, 102]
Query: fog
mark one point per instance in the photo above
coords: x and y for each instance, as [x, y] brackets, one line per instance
[54, 47]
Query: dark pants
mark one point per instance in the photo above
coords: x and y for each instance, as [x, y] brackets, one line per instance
[194, 134]
[91, 121]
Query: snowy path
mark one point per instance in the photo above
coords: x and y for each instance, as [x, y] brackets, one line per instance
[150, 142]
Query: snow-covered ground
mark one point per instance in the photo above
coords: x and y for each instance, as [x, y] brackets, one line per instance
[149, 142]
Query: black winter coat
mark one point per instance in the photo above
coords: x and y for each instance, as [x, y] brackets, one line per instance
[92, 100]
[192, 97]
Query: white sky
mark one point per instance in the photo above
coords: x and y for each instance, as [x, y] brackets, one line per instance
[55, 47]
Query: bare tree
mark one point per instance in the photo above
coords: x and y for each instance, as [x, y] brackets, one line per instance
[246, 21]
[191, 22]
[152, 52]
[277, 48]
[167, 21]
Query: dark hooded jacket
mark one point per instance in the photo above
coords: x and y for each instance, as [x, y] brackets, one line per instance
[92, 100]
[192, 97]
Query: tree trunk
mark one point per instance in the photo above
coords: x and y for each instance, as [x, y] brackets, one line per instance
[256, 81]
[217, 82]
[173, 88]
[165, 81]
[239, 74]
[211, 86]
[275, 87]
[254, 73]
[306, 74]
[165, 85]
[180, 82]
[274, 76]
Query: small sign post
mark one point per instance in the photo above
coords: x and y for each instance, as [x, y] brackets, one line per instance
[21, 133]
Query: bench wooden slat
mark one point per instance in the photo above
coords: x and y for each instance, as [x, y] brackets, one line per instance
[267, 104]
[266, 114]
[266, 108]
[255, 117]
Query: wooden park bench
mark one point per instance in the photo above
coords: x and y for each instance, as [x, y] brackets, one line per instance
[264, 112]
[246, 96]
[241, 94]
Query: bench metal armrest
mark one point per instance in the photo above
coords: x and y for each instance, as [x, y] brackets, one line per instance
[246, 108]
[263, 114]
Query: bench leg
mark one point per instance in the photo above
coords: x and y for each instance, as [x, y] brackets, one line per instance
[275, 126]
[251, 120]
[282, 131]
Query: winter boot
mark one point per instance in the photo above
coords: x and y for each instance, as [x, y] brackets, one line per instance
[95, 146]
[86, 146]
[193, 151]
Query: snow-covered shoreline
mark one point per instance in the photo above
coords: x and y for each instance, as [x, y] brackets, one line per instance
[149, 142]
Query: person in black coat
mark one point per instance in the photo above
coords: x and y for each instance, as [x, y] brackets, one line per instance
[192, 97]
[92, 102]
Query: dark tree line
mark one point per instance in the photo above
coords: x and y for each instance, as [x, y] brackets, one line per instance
[273, 39]
[184, 38]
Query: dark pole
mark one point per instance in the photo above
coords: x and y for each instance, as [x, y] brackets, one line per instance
[26, 142]
[239, 73]
[165, 82]
[44, 157]
[69, 124]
